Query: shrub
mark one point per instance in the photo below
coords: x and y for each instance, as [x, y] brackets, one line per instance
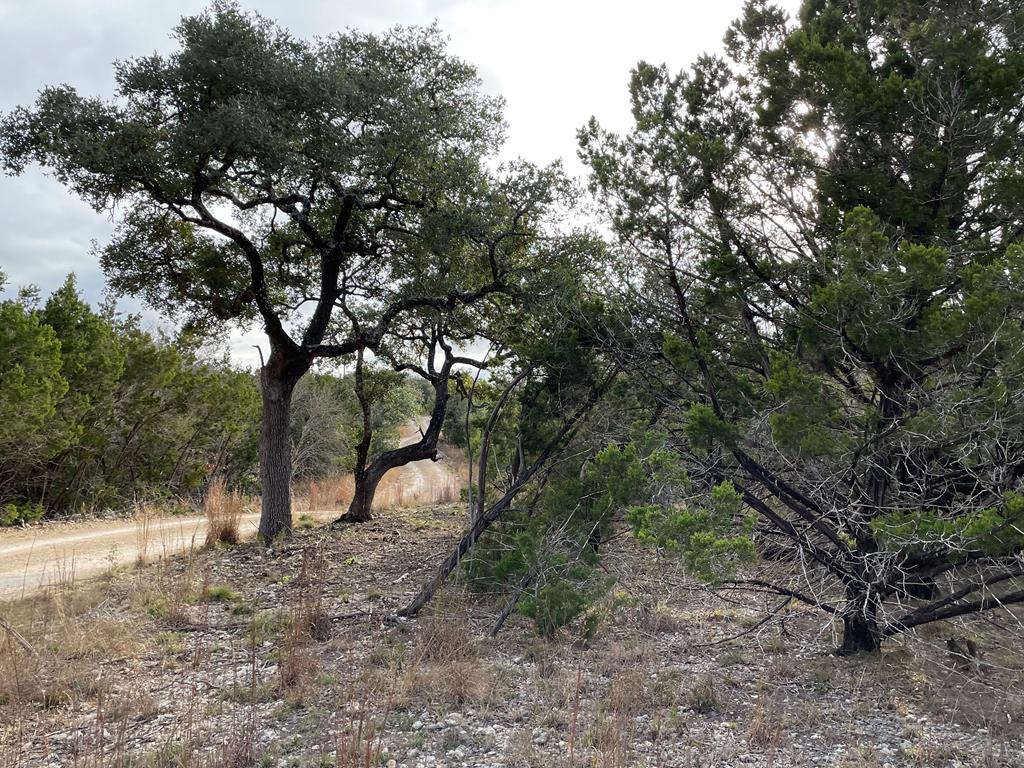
[703, 697]
[554, 605]
[20, 514]
[218, 593]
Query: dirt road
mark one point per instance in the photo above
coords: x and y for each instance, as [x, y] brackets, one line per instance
[421, 480]
[62, 552]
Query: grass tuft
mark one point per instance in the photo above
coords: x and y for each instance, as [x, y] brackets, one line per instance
[223, 510]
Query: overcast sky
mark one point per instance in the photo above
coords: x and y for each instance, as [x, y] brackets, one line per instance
[556, 62]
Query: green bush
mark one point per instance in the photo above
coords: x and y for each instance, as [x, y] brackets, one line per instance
[20, 514]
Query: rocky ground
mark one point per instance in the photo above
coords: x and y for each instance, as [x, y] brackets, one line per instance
[242, 657]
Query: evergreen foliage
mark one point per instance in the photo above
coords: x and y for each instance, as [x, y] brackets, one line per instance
[821, 232]
[96, 411]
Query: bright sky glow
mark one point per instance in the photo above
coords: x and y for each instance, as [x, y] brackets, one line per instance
[556, 62]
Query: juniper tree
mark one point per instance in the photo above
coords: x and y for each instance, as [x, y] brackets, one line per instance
[31, 390]
[98, 413]
[318, 188]
[823, 232]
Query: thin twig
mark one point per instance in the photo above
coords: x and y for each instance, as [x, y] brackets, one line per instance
[12, 632]
[748, 630]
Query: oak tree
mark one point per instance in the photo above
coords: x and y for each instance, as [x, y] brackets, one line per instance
[319, 188]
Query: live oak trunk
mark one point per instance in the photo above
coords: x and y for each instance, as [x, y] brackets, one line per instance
[366, 479]
[368, 472]
[366, 482]
[277, 382]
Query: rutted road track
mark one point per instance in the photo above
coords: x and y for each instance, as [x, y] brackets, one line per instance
[61, 552]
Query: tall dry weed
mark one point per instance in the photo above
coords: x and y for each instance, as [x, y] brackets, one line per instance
[145, 516]
[223, 511]
[330, 493]
[359, 741]
[308, 623]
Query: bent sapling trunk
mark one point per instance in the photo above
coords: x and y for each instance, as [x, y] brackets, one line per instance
[490, 515]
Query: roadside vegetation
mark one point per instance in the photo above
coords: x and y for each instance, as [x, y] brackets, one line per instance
[734, 478]
[102, 416]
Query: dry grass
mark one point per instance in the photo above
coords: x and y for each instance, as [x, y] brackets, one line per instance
[629, 693]
[166, 592]
[457, 478]
[307, 624]
[338, 691]
[151, 538]
[239, 749]
[443, 667]
[359, 740]
[764, 732]
[520, 751]
[64, 631]
[635, 653]
[329, 493]
[444, 638]
[395, 490]
[223, 510]
[144, 516]
[610, 737]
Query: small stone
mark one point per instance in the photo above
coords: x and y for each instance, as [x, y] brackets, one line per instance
[418, 725]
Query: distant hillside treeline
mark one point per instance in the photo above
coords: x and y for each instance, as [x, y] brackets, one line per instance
[96, 412]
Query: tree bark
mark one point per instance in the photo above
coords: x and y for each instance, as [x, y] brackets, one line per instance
[277, 382]
[366, 482]
[861, 633]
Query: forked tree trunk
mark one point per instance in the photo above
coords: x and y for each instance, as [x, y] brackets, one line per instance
[360, 509]
[368, 472]
[366, 482]
[277, 384]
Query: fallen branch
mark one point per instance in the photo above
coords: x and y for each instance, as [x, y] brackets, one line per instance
[742, 583]
[553, 449]
[748, 630]
[18, 637]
